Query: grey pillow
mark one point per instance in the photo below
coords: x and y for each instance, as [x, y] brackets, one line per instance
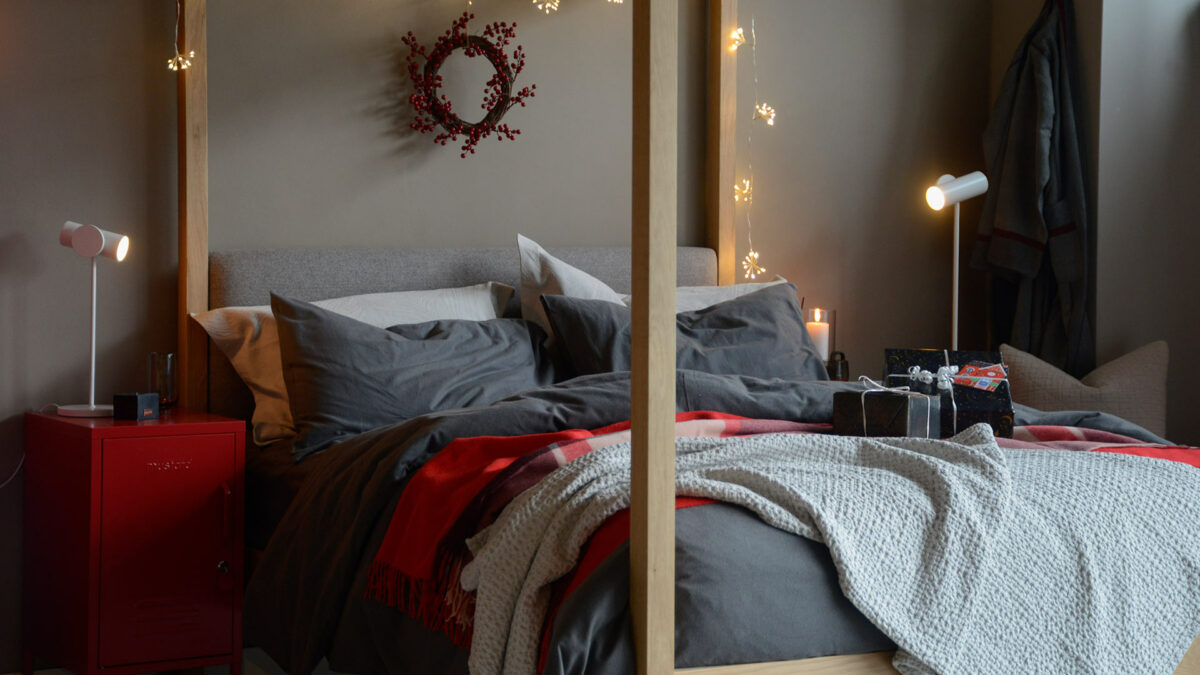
[344, 377]
[1132, 387]
[760, 334]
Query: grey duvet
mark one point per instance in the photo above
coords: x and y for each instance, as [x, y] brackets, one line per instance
[754, 593]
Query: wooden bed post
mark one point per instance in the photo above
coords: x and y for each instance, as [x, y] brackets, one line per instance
[720, 167]
[655, 141]
[193, 206]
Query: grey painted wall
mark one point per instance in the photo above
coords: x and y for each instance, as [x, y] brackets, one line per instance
[1149, 285]
[87, 132]
[875, 99]
[309, 130]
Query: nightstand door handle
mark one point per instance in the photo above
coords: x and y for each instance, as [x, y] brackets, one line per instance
[223, 567]
[227, 512]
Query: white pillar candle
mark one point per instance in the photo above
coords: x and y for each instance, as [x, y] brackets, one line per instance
[818, 330]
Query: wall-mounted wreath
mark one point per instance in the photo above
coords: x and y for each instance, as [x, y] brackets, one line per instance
[433, 108]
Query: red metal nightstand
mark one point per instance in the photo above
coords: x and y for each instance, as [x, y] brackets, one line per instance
[133, 542]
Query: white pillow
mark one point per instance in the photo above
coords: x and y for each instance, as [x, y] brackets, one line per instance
[249, 338]
[542, 273]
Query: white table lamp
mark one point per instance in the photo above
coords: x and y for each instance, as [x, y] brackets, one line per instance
[90, 241]
[950, 190]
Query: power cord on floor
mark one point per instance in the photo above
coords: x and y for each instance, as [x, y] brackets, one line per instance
[21, 462]
[14, 473]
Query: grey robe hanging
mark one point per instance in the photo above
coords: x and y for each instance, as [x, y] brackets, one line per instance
[1033, 234]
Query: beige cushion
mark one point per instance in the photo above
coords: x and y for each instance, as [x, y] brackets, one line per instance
[1133, 387]
[249, 337]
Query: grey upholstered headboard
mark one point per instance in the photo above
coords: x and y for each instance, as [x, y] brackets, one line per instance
[249, 277]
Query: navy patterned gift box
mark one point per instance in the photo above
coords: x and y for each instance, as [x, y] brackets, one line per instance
[971, 391]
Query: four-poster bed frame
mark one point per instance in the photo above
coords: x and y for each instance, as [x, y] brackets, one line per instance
[655, 106]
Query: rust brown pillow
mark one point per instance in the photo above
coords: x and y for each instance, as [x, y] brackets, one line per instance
[1133, 386]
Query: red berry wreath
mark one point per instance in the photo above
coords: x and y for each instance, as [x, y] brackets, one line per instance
[433, 109]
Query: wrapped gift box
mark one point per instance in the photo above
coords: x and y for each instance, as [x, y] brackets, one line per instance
[887, 413]
[979, 394]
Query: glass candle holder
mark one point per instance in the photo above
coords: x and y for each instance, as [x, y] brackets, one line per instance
[821, 324]
[160, 377]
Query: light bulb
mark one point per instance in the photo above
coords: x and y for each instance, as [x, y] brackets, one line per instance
[739, 38]
[744, 192]
[936, 198]
[181, 61]
[751, 266]
[766, 113]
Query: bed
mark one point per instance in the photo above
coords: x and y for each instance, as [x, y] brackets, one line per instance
[319, 592]
[316, 595]
[274, 479]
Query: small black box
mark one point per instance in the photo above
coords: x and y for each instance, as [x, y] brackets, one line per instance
[135, 406]
[886, 413]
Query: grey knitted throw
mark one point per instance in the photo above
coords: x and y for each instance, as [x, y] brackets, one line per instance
[971, 558]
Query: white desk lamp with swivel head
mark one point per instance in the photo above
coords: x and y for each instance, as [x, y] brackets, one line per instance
[90, 241]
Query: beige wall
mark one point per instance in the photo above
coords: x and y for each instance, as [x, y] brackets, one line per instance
[87, 132]
[1149, 285]
[875, 100]
[309, 135]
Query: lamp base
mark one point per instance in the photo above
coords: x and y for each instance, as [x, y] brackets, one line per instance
[85, 410]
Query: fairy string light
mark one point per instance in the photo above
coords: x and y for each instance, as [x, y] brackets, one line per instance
[180, 61]
[549, 6]
[743, 192]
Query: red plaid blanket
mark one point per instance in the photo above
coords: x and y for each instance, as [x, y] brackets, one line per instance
[464, 488]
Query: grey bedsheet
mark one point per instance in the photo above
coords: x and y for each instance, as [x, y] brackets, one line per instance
[745, 592]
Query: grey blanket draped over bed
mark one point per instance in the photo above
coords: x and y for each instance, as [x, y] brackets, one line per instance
[971, 558]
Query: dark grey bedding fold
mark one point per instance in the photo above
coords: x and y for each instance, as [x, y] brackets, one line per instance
[304, 582]
[1023, 415]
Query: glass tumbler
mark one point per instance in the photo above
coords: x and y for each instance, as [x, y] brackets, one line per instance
[160, 377]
